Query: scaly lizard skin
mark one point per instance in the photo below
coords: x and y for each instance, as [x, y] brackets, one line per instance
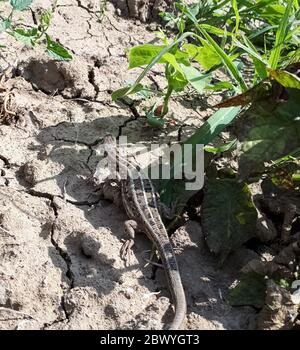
[142, 207]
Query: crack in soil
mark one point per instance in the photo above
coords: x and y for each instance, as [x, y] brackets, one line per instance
[134, 112]
[85, 7]
[34, 17]
[5, 161]
[63, 254]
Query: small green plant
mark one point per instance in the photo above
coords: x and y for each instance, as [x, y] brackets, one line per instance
[200, 49]
[256, 43]
[33, 36]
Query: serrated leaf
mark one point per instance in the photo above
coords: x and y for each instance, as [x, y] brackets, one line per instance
[228, 215]
[250, 291]
[56, 50]
[20, 4]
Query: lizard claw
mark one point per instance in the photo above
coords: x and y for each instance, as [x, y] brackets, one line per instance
[126, 251]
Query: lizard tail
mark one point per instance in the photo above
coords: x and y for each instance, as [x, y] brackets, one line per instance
[178, 300]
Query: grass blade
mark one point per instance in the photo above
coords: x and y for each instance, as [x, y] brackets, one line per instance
[280, 36]
[213, 126]
[237, 15]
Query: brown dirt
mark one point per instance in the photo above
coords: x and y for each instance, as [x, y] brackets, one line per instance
[60, 266]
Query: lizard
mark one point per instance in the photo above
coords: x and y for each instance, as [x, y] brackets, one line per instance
[141, 203]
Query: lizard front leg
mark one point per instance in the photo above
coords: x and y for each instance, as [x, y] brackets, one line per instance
[130, 227]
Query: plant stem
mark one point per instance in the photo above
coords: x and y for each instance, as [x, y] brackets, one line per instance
[166, 100]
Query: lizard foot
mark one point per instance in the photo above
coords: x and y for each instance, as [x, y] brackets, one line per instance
[126, 251]
[129, 227]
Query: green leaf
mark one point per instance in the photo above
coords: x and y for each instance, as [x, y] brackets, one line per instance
[250, 49]
[213, 126]
[174, 191]
[268, 131]
[221, 85]
[20, 4]
[177, 81]
[157, 58]
[205, 55]
[237, 15]
[153, 120]
[226, 59]
[56, 50]
[123, 91]
[224, 148]
[143, 54]
[45, 19]
[196, 79]
[280, 36]
[26, 36]
[214, 30]
[285, 78]
[251, 291]
[228, 220]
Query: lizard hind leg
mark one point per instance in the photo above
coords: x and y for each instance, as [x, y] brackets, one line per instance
[130, 227]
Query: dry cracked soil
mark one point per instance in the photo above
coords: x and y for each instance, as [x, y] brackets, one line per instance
[60, 266]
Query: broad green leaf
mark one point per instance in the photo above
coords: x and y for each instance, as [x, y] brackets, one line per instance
[177, 81]
[143, 54]
[285, 78]
[56, 50]
[157, 58]
[228, 215]
[250, 291]
[171, 59]
[123, 91]
[27, 36]
[205, 55]
[269, 131]
[20, 4]
[198, 80]
[280, 36]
